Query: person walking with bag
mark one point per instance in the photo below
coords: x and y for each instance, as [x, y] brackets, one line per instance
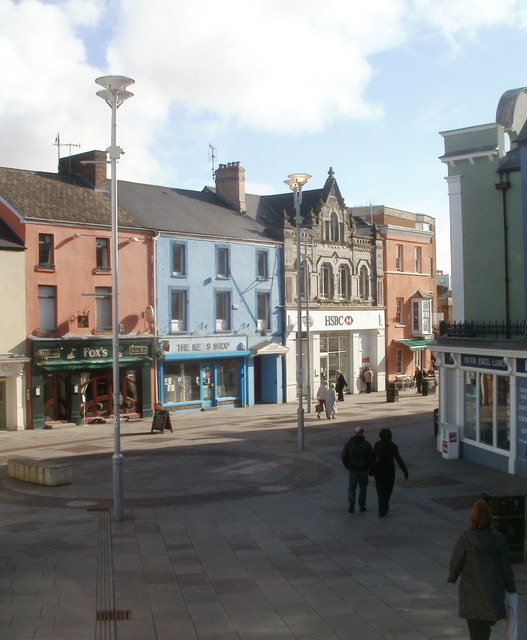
[385, 452]
[356, 457]
[481, 560]
[321, 398]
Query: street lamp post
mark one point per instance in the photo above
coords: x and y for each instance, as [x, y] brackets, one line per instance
[114, 94]
[295, 182]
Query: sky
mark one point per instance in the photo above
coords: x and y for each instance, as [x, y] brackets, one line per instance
[280, 86]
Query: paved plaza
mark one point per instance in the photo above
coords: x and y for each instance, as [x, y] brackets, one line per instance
[232, 533]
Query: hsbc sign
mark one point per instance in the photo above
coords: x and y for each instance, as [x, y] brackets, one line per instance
[338, 321]
[343, 319]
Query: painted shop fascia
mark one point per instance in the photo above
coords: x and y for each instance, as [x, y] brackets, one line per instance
[72, 362]
[490, 379]
[197, 373]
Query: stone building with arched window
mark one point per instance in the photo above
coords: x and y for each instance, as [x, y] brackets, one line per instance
[341, 289]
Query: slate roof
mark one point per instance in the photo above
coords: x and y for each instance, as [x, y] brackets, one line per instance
[37, 195]
[199, 213]
[9, 241]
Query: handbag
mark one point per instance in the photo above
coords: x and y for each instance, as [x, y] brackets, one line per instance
[511, 622]
[318, 408]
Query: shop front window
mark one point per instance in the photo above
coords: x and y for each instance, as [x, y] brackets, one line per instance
[226, 372]
[487, 409]
[181, 382]
[470, 405]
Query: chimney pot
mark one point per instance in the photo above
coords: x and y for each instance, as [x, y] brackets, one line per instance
[230, 185]
[90, 165]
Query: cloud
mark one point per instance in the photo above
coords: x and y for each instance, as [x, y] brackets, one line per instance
[270, 66]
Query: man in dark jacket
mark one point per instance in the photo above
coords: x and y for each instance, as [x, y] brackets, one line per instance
[356, 457]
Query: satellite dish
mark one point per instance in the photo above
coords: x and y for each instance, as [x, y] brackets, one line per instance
[150, 315]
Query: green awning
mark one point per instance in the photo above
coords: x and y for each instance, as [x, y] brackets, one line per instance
[415, 345]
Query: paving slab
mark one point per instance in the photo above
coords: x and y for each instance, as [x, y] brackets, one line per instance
[231, 532]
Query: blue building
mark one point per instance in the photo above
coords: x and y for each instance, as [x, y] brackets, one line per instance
[218, 289]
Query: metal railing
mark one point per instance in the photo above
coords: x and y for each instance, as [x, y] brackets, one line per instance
[474, 329]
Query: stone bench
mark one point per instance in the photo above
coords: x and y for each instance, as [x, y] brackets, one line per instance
[50, 474]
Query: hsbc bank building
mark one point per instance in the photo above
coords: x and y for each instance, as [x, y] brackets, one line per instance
[345, 340]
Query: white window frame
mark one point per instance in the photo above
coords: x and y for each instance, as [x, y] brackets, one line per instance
[47, 308]
[178, 310]
[344, 282]
[364, 283]
[263, 308]
[399, 310]
[417, 259]
[179, 259]
[222, 310]
[103, 308]
[102, 254]
[326, 281]
[262, 265]
[399, 257]
[222, 262]
[421, 317]
[46, 262]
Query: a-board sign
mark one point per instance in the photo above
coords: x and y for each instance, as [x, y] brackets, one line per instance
[161, 421]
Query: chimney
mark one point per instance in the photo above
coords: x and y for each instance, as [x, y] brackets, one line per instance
[93, 171]
[230, 185]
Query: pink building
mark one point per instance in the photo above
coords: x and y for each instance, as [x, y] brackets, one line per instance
[409, 287]
[64, 222]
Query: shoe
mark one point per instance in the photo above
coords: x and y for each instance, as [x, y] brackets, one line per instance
[351, 508]
[362, 509]
[333, 418]
[382, 514]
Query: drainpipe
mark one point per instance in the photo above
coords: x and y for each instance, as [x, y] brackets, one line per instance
[503, 185]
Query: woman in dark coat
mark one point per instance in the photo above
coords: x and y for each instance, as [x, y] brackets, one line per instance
[383, 469]
[339, 386]
[481, 558]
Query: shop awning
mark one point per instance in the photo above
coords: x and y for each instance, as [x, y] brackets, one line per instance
[415, 345]
[268, 347]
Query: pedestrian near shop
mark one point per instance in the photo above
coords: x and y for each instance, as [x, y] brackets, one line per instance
[368, 379]
[481, 560]
[331, 402]
[385, 453]
[339, 386]
[356, 457]
[321, 398]
[418, 377]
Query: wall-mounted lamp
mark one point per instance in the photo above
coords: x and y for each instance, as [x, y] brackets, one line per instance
[133, 239]
[77, 235]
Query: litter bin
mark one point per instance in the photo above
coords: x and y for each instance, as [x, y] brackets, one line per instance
[509, 517]
[392, 392]
[436, 423]
[425, 386]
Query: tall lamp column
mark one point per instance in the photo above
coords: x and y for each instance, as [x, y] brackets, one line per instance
[114, 94]
[295, 182]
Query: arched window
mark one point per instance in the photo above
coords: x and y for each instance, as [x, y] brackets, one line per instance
[326, 281]
[364, 283]
[344, 282]
[335, 228]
